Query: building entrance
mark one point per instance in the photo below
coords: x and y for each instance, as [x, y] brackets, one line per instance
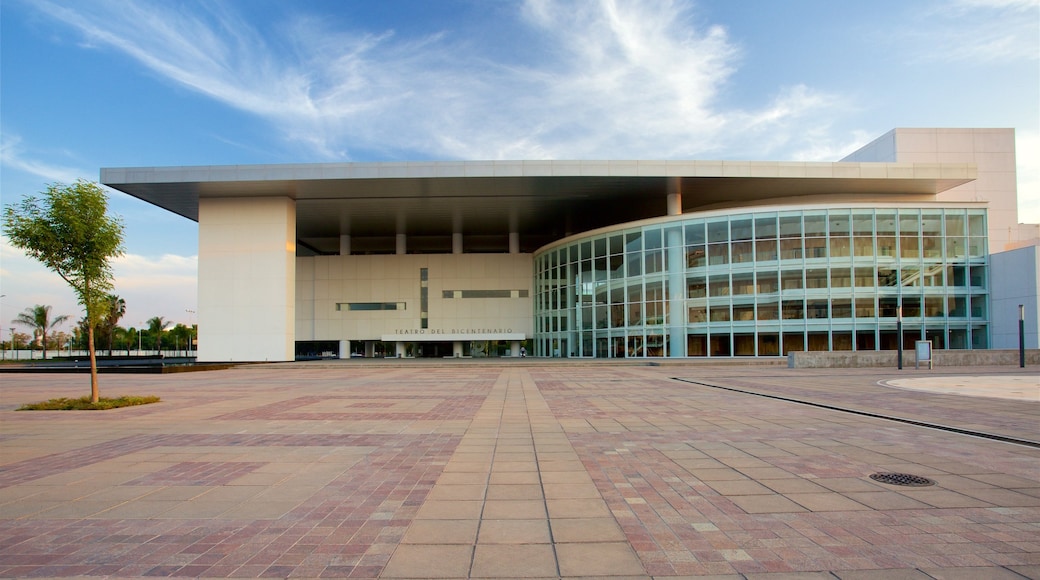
[433, 349]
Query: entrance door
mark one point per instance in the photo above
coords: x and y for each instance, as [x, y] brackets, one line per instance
[434, 349]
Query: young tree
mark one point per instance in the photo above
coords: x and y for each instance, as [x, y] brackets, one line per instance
[39, 319]
[69, 230]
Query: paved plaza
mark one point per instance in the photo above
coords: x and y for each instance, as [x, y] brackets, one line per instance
[524, 469]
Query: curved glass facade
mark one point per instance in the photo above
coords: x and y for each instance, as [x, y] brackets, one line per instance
[764, 283]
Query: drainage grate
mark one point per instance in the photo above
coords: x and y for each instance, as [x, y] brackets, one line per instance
[902, 479]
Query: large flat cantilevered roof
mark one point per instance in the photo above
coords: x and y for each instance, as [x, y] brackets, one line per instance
[540, 200]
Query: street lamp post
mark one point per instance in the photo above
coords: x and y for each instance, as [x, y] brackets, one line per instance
[139, 339]
[1022, 336]
[14, 347]
[191, 314]
[899, 333]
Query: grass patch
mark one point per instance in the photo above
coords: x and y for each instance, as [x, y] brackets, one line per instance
[84, 404]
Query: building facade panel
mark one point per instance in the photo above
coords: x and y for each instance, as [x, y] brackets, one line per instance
[247, 260]
[406, 300]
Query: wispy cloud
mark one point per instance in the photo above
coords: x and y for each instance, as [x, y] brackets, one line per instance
[13, 156]
[613, 78]
[978, 32]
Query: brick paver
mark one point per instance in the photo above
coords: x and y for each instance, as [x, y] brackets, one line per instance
[531, 469]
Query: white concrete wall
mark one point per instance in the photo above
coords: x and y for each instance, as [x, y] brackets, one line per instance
[324, 281]
[247, 294]
[1015, 276]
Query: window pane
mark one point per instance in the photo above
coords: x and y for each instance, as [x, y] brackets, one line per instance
[791, 279]
[793, 310]
[791, 249]
[909, 222]
[815, 225]
[718, 254]
[815, 248]
[695, 256]
[931, 223]
[841, 278]
[652, 239]
[816, 278]
[718, 285]
[741, 229]
[695, 233]
[718, 231]
[765, 250]
[696, 287]
[743, 284]
[839, 225]
[886, 223]
[768, 310]
[864, 277]
[863, 224]
[791, 226]
[765, 228]
[767, 283]
[954, 223]
[841, 308]
[742, 252]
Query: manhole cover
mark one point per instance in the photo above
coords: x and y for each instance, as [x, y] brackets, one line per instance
[902, 479]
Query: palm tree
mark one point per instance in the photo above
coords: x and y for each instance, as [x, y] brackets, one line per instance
[39, 319]
[116, 310]
[157, 325]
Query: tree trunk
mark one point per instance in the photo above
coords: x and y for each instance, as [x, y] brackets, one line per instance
[94, 393]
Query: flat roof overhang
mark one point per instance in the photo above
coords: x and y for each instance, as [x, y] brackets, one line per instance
[541, 200]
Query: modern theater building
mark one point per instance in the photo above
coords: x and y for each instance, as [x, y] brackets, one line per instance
[609, 259]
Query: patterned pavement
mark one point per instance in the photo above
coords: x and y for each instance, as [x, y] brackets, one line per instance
[521, 469]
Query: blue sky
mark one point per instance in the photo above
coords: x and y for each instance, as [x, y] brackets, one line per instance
[96, 83]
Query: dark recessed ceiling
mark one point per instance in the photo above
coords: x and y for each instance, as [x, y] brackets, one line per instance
[541, 208]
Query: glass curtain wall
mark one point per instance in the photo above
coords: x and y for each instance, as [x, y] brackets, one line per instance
[767, 283]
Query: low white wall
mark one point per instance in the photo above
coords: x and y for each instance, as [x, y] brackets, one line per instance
[888, 358]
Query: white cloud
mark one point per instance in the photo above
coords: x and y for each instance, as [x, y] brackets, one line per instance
[152, 286]
[613, 78]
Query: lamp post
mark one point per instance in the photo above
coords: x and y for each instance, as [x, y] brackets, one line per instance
[14, 347]
[139, 339]
[191, 314]
[1022, 336]
[899, 337]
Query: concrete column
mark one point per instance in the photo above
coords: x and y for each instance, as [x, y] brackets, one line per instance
[344, 349]
[402, 244]
[514, 243]
[514, 348]
[247, 281]
[344, 245]
[370, 349]
[676, 292]
[399, 349]
[674, 196]
[456, 243]
[456, 348]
